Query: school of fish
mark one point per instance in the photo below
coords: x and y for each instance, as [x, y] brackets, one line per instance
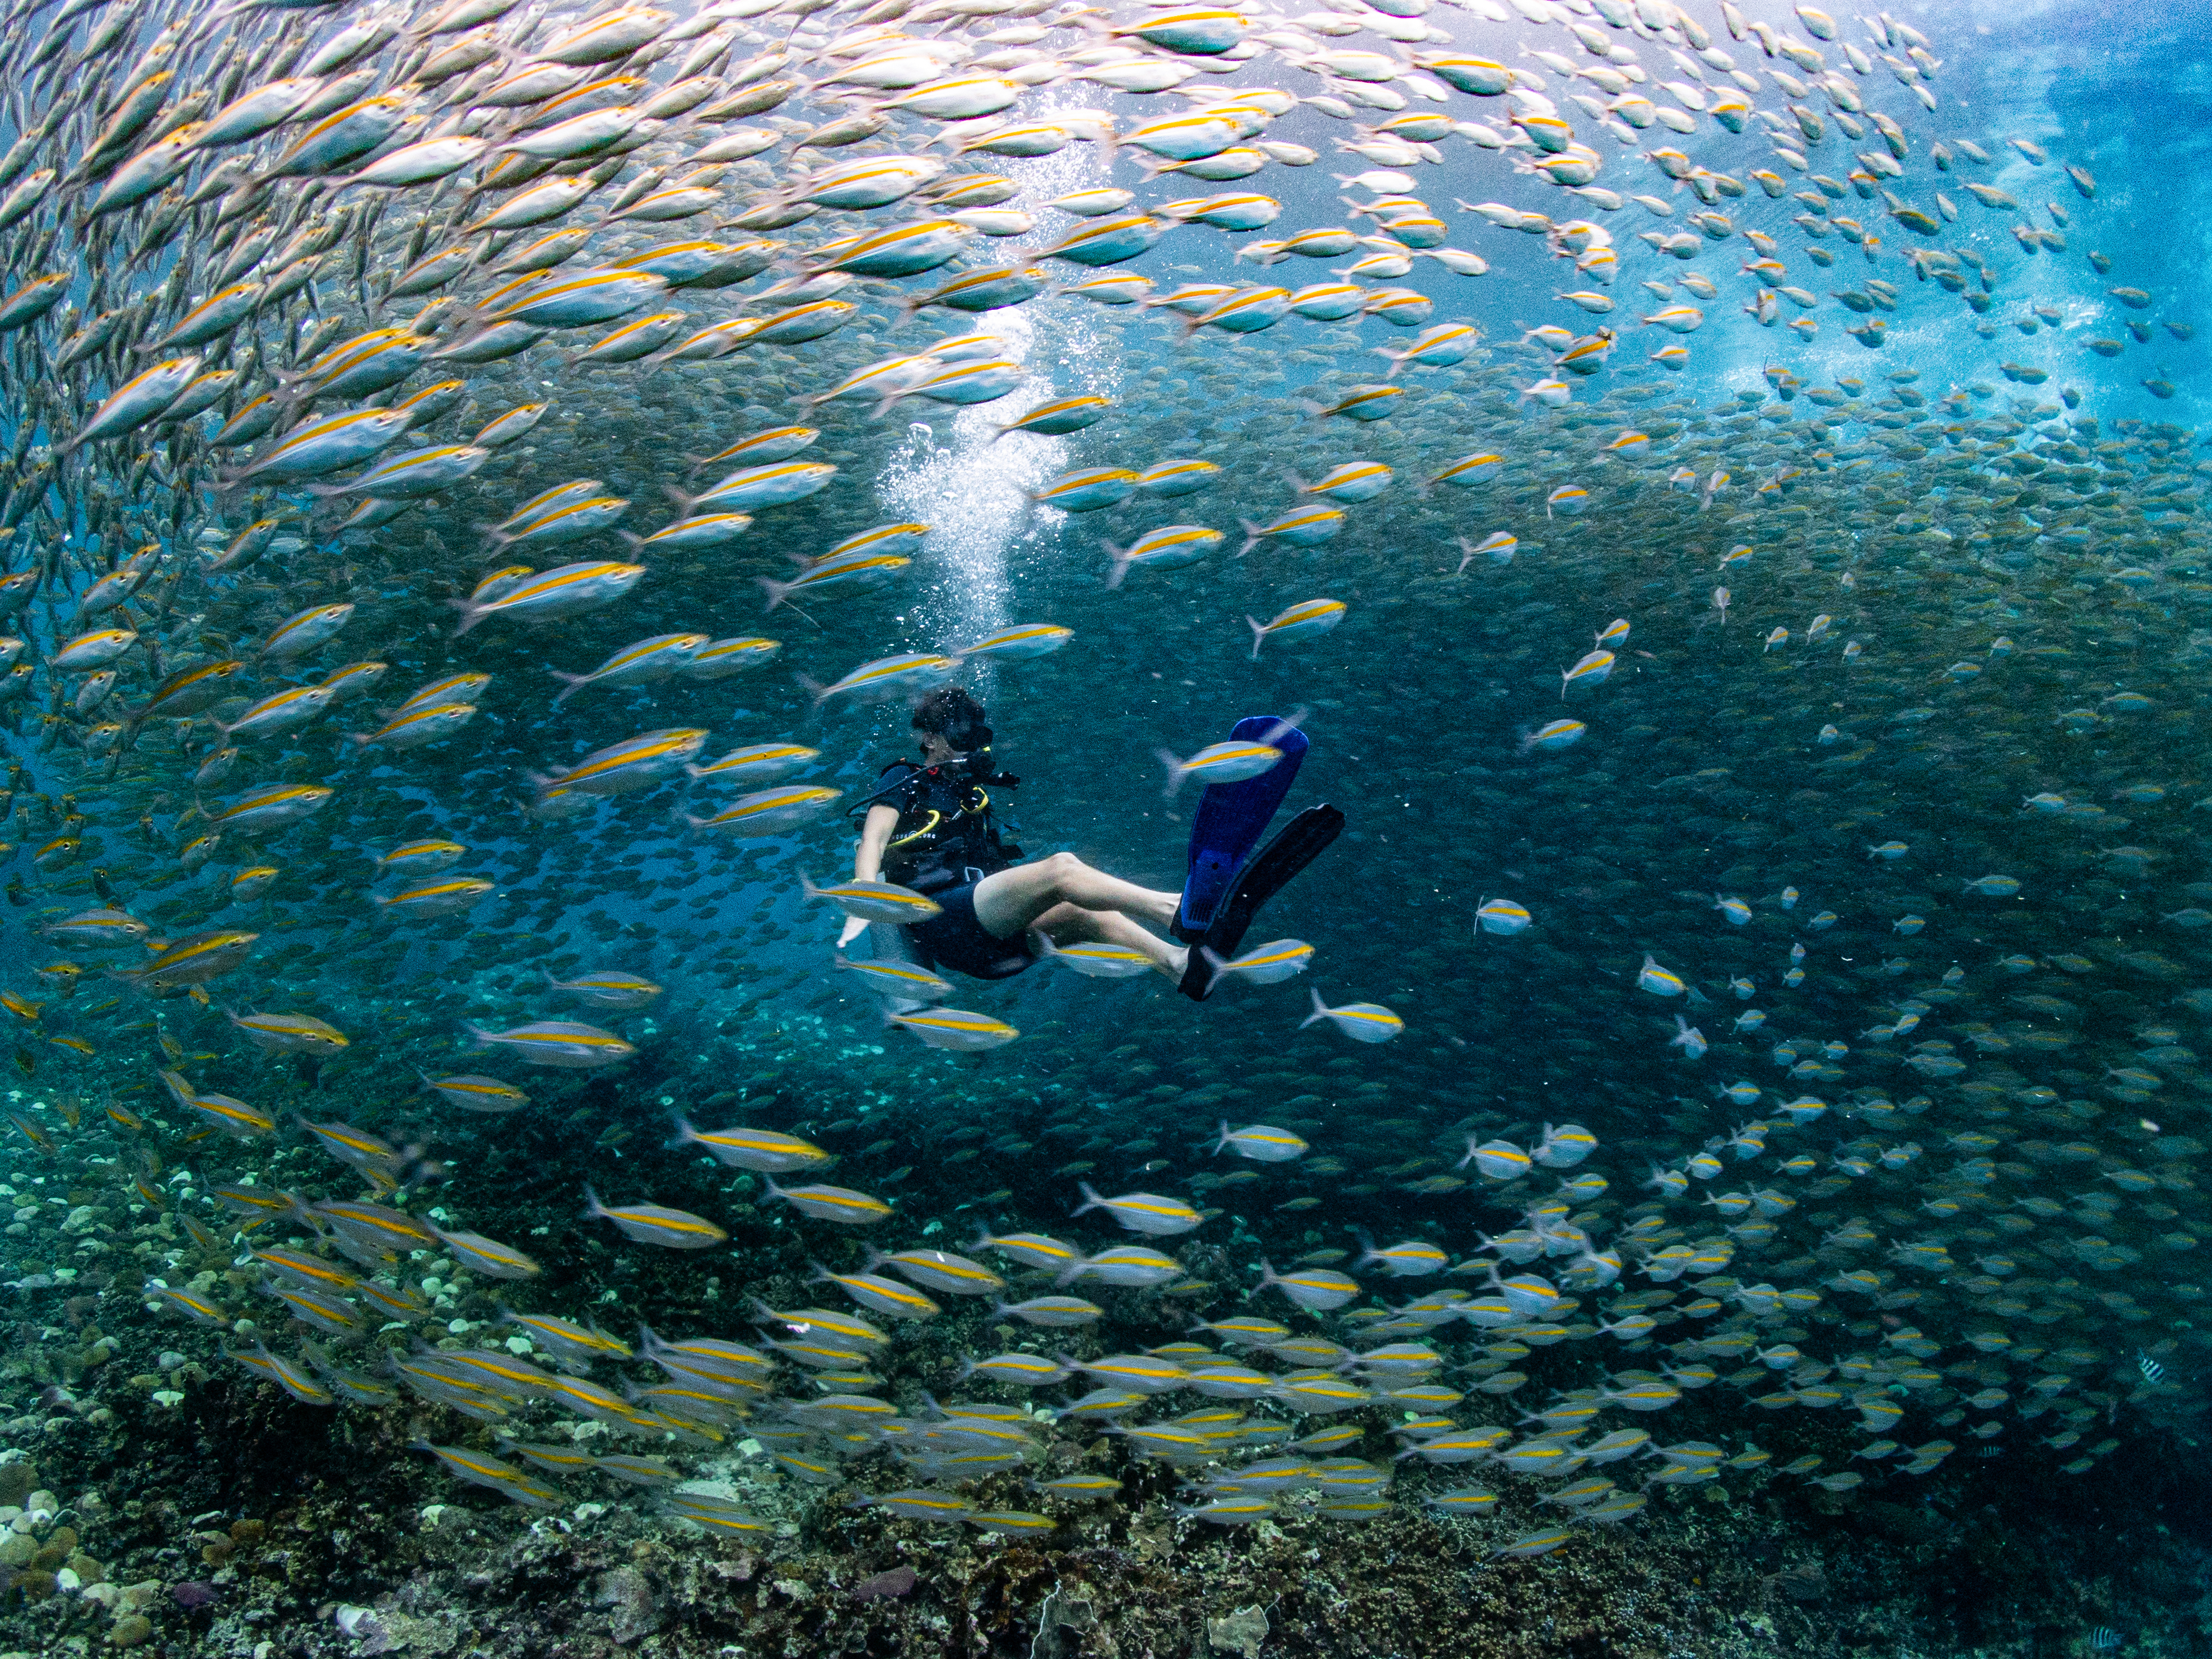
[416, 410]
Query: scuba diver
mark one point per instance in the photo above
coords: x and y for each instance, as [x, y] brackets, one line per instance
[930, 827]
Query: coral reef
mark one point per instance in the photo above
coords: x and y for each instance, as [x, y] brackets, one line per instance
[239, 1527]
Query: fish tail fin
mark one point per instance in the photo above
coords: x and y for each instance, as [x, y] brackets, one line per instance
[1253, 534]
[1321, 1009]
[1259, 631]
[1091, 1198]
[1173, 761]
[592, 1207]
[776, 590]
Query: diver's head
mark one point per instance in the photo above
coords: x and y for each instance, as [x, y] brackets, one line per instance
[951, 725]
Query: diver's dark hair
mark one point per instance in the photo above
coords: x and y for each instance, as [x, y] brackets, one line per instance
[954, 715]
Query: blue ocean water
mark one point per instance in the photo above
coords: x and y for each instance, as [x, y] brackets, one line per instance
[1852, 1039]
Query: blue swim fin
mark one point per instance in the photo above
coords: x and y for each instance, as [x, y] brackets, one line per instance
[1303, 840]
[1231, 819]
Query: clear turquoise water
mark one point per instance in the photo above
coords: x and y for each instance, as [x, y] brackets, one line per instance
[2011, 1091]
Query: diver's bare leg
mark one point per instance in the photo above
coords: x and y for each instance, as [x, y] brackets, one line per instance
[1009, 902]
[1071, 924]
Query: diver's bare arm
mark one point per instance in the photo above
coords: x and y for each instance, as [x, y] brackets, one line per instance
[875, 836]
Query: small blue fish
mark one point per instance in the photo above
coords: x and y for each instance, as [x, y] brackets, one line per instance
[1267, 965]
[1363, 1022]
[1501, 915]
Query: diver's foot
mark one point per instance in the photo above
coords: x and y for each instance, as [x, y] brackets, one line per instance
[1198, 975]
[1178, 962]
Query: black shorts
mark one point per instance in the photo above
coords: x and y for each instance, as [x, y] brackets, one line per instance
[954, 938]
